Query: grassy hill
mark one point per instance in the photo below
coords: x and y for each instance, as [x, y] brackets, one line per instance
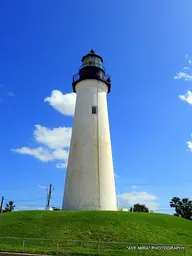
[58, 227]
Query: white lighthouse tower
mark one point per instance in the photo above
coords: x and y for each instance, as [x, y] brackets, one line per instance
[89, 183]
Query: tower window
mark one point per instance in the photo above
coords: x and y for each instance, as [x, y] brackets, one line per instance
[94, 110]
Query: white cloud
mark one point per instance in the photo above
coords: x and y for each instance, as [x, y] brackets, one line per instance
[55, 143]
[40, 153]
[187, 97]
[134, 186]
[188, 59]
[40, 208]
[43, 154]
[61, 165]
[60, 154]
[53, 138]
[189, 145]
[183, 75]
[43, 187]
[63, 103]
[140, 197]
[116, 176]
[186, 56]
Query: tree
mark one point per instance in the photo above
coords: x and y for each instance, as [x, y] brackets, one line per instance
[9, 207]
[55, 209]
[183, 207]
[139, 208]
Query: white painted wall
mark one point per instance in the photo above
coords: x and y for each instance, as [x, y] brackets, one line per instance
[90, 181]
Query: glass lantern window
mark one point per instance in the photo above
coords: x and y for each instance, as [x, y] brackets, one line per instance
[92, 61]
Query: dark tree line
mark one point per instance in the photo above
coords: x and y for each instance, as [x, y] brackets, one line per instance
[139, 208]
[183, 207]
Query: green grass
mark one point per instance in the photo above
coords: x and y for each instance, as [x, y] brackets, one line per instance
[86, 226]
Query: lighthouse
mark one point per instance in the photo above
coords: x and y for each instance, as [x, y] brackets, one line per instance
[90, 183]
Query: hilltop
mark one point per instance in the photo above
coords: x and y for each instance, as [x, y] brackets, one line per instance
[130, 227]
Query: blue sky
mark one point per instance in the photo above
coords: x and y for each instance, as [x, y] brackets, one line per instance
[145, 46]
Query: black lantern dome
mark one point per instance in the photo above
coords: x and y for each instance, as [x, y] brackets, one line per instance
[92, 68]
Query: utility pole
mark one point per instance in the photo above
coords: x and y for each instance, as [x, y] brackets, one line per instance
[49, 195]
[1, 206]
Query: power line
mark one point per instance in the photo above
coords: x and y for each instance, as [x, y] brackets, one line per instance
[123, 182]
[35, 205]
[30, 200]
[155, 182]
